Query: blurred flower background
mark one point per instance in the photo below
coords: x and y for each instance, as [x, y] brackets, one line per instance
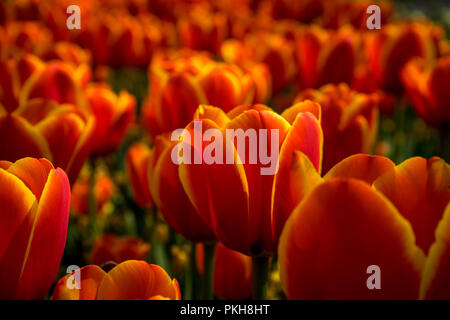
[85, 122]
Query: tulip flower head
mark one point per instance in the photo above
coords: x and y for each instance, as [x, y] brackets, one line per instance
[251, 222]
[34, 214]
[394, 212]
[129, 280]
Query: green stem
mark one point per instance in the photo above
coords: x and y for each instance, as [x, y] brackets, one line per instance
[208, 270]
[260, 267]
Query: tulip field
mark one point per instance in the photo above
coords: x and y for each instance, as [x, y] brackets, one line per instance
[224, 150]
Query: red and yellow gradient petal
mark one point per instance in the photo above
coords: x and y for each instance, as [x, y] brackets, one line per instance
[135, 279]
[341, 228]
[90, 278]
[166, 186]
[48, 237]
[362, 167]
[260, 185]
[137, 160]
[419, 189]
[228, 219]
[435, 279]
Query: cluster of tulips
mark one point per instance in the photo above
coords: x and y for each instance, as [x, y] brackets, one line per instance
[87, 176]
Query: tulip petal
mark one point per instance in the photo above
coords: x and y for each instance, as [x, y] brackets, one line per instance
[291, 186]
[173, 201]
[16, 213]
[137, 163]
[47, 239]
[340, 229]
[33, 172]
[291, 113]
[419, 189]
[436, 280]
[362, 167]
[228, 219]
[23, 140]
[212, 113]
[260, 185]
[129, 280]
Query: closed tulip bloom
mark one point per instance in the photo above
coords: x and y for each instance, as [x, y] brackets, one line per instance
[129, 280]
[201, 29]
[232, 274]
[271, 49]
[113, 116]
[57, 81]
[326, 56]
[103, 191]
[349, 121]
[165, 186]
[13, 74]
[260, 204]
[137, 161]
[427, 86]
[34, 213]
[118, 249]
[178, 85]
[40, 128]
[390, 49]
[395, 213]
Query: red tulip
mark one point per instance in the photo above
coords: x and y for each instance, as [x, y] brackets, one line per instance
[137, 161]
[427, 87]
[326, 56]
[113, 114]
[252, 221]
[41, 128]
[349, 121]
[179, 85]
[394, 212]
[201, 29]
[393, 46]
[35, 204]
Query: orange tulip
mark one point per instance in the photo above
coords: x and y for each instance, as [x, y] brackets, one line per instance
[137, 161]
[232, 274]
[118, 249]
[103, 191]
[393, 213]
[349, 121]
[389, 49]
[427, 87]
[326, 56]
[247, 211]
[165, 186]
[113, 114]
[34, 214]
[178, 85]
[129, 280]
